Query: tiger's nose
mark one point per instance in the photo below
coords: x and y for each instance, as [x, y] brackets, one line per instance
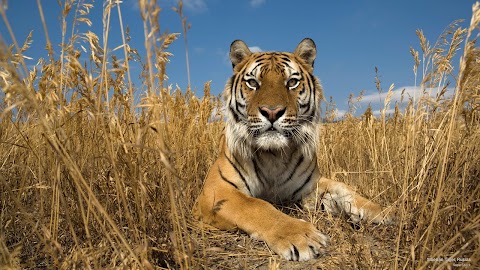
[272, 114]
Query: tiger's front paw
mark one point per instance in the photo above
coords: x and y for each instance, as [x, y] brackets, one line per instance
[296, 240]
[387, 217]
[358, 209]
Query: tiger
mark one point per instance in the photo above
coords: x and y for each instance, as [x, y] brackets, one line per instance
[268, 155]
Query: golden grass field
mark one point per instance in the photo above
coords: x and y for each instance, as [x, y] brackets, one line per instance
[90, 179]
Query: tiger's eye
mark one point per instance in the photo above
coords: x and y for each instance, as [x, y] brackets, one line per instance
[293, 83]
[252, 84]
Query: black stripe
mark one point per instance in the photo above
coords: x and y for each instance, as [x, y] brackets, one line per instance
[309, 82]
[312, 113]
[258, 173]
[237, 94]
[280, 67]
[236, 161]
[309, 178]
[225, 179]
[256, 67]
[232, 83]
[237, 106]
[239, 173]
[240, 105]
[312, 86]
[302, 91]
[311, 110]
[232, 91]
[287, 65]
[300, 160]
[235, 115]
[314, 163]
[237, 80]
[233, 107]
[240, 92]
[303, 105]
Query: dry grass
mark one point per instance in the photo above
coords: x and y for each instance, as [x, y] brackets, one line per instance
[91, 178]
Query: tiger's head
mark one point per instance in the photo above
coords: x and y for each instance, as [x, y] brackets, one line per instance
[272, 100]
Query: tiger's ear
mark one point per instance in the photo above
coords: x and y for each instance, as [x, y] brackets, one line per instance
[238, 51]
[307, 50]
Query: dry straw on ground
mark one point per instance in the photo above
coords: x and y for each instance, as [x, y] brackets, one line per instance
[96, 173]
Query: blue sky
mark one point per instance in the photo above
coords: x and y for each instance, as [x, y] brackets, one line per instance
[352, 37]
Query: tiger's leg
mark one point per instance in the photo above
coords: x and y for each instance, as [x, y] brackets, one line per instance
[224, 206]
[339, 198]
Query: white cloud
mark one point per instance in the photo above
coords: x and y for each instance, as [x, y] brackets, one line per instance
[193, 5]
[197, 5]
[226, 55]
[379, 112]
[408, 92]
[257, 3]
[340, 113]
[255, 49]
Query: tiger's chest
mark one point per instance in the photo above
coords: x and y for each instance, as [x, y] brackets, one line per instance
[280, 176]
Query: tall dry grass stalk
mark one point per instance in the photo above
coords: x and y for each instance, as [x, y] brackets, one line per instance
[95, 173]
[87, 179]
